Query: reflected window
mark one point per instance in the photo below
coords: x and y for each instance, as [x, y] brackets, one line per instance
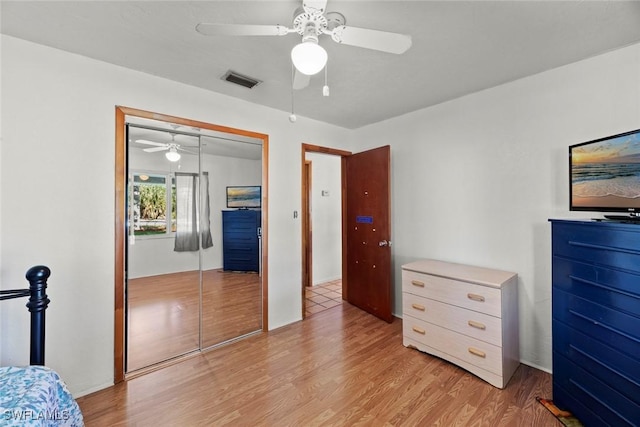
[153, 204]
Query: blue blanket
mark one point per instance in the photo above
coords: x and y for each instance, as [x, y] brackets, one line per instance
[36, 396]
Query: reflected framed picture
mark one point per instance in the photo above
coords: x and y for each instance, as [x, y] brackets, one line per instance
[244, 196]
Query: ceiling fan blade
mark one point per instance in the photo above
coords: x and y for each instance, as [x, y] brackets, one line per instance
[144, 141]
[210, 29]
[314, 6]
[300, 80]
[371, 39]
[154, 149]
[187, 151]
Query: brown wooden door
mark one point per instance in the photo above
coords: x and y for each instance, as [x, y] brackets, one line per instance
[368, 231]
[307, 227]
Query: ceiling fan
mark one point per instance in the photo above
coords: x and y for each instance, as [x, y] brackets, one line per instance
[311, 21]
[172, 148]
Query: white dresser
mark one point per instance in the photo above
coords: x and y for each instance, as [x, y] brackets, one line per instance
[466, 315]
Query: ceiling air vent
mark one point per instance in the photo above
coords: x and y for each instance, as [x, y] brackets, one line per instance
[239, 79]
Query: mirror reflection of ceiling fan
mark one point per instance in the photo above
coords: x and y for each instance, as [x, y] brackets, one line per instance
[311, 21]
[172, 148]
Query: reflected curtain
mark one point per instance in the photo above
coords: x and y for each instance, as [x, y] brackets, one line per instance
[207, 241]
[186, 213]
[187, 210]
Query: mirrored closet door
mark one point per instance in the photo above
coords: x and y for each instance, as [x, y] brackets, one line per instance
[180, 295]
[231, 279]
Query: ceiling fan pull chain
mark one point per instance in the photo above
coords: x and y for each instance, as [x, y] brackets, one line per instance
[292, 116]
[325, 88]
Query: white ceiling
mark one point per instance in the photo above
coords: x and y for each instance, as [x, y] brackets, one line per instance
[459, 47]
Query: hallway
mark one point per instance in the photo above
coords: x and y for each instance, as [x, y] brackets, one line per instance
[322, 297]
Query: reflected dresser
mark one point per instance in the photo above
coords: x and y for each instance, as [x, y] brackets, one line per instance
[240, 240]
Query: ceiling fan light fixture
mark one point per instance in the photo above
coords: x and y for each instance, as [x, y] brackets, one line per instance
[309, 57]
[172, 155]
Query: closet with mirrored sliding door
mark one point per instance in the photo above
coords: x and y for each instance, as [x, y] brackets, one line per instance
[179, 299]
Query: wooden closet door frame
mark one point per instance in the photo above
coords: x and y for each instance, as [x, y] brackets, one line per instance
[120, 218]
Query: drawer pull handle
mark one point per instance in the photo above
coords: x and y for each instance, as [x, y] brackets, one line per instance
[417, 283]
[418, 307]
[476, 325]
[476, 297]
[419, 330]
[477, 352]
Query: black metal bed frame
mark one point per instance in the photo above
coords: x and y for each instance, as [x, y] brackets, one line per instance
[38, 303]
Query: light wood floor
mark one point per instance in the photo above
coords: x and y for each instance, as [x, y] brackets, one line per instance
[163, 315]
[341, 367]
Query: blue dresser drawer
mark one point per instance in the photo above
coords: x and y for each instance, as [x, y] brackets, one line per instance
[565, 400]
[596, 321]
[604, 402]
[595, 357]
[615, 245]
[241, 260]
[240, 252]
[240, 240]
[244, 239]
[240, 226]
[231, 247]
[240, 265]
[614, 328]
[613, 288]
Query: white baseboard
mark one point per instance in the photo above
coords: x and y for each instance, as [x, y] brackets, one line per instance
[325, 280]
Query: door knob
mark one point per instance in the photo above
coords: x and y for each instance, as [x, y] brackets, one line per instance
[384, 243]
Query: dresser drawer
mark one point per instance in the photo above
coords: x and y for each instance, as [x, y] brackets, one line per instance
[470, 350]
[613, 368]
[468, 322]
[483, 299]
[240, 245]
[241, 265]
[241, 229]
[613, 288]
[606, 402]
[614, 328]
[241, 215]
[610, 245]
[241, 254]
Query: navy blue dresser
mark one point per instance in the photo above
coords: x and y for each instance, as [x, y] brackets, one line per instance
[596, 321]
[240, 243]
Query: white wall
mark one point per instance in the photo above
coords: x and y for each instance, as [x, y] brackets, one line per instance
[150, 256]
[476, 179]
[326, 217]
[57, 195]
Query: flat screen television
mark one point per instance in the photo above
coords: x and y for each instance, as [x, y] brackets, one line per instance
[604, 175]
[244, 196]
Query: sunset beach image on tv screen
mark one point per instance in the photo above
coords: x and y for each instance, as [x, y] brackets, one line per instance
[244, 197]
[606, 173]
